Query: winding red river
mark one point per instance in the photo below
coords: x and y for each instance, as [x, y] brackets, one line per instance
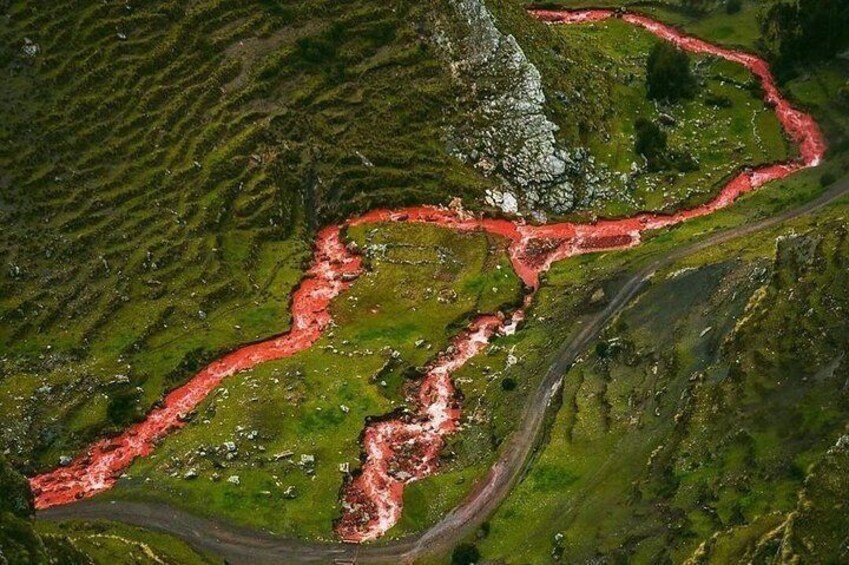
[404, 449]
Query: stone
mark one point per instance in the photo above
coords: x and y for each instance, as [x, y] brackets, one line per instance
[597, 296]
[30, 49]
[234, 480]
[511, 135]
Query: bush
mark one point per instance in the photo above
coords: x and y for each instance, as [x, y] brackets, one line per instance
[827, 179]
[124, 407]
[683, 162]
[733, 6]
[650, 143]
[668, 74]
[465, 554]
[508, 384]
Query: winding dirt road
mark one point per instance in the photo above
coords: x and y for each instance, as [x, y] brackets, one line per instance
[374, 504]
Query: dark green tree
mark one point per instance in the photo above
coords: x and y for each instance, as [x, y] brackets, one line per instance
[465, 554]
[668, 74]
[805, 31]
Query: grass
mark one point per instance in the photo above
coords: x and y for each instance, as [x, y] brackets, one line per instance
[163, 170]
[566, 294]
[638, 446]
[148, 229]
[110, 542]
[315, 403]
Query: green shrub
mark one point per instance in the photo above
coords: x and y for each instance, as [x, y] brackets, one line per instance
[465, 554]
[718, 100]
[124, 407]
[733, 6]
[827, 179]
[508, 384]
[683, 161]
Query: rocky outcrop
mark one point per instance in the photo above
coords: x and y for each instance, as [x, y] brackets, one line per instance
[508, 133]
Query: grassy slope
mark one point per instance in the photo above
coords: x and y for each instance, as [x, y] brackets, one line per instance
[151, 227]
[399, 129]
[690, 418]
[299, 405]
[162, 169]
[108, 543]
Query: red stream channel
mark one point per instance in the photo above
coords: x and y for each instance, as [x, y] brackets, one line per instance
[402, 449]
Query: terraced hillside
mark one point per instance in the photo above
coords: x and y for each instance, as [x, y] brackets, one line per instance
[163, 167]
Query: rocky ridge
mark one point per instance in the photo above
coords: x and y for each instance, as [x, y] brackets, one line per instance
[508, 134]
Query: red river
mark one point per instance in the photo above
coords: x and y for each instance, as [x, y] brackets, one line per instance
[404, 449]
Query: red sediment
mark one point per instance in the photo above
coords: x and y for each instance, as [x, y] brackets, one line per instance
[402, 450]
[572, 16]
[99, 468]
[615, 241]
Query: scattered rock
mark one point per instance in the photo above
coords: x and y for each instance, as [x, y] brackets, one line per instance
[30, 49]
[597, 296]
[510, 135]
